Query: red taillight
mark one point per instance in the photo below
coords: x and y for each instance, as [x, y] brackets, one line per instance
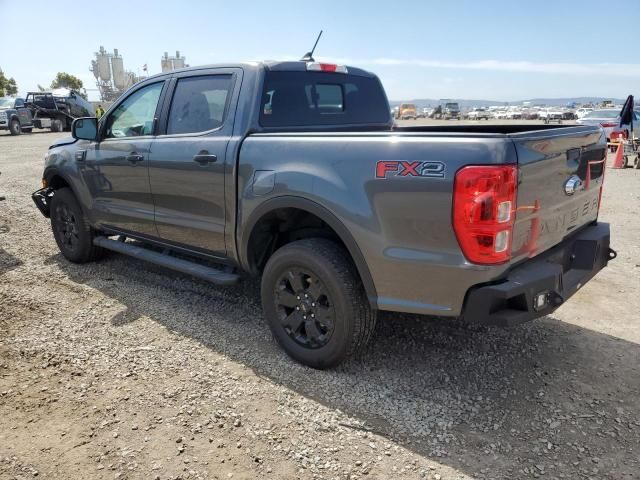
[608, 124]
[484, 206]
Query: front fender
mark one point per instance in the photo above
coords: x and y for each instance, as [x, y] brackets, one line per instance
[61, 169]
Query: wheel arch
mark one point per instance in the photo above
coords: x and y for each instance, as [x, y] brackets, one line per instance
[322, 213]
[56, 180]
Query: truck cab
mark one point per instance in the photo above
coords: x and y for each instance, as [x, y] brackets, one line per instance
[451, 111]
[14, 116]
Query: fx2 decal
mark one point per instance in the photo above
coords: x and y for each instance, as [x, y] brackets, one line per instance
[405, 168]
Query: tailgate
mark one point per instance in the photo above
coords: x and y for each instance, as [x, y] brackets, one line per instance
[560, 175]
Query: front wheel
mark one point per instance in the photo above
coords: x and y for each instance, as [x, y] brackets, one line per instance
[315, 303]
[14, 127]
[71, 230]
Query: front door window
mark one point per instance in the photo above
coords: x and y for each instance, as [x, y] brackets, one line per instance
[134, 117]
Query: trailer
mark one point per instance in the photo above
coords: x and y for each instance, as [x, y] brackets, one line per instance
[57, 109]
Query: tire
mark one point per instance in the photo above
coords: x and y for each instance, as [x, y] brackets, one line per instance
[14, 127]
[71, 231]
[636, 162]
[56, 125]
[309, 277]
[27, 130]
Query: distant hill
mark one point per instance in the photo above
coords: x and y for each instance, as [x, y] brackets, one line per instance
[465, 103]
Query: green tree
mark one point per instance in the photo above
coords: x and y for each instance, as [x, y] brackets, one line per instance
[66, 80]
[7, 85]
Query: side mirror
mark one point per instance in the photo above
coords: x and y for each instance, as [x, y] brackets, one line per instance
[85, 128]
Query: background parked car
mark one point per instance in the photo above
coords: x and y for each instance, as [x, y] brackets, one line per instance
[551, 115]
[451, 110]
[609, 120]
[478, 114]
[581, 112]
[513, 114]
[407, 111]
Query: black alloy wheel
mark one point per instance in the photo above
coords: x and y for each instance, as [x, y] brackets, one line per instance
[304, 307]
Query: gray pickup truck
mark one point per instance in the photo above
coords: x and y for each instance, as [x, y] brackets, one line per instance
[296, 173]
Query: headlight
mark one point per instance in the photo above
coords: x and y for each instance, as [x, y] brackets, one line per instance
[3, 115]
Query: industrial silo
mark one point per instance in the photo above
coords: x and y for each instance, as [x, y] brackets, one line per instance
[94, 69]
[178, 62]
[166, 63]
[120, 78]
[104, 68]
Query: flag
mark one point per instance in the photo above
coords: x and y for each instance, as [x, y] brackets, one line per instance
[626, 114]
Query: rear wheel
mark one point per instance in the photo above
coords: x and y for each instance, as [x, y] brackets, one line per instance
[73, 234]
[56, 125]
[315, 303]
[14, 127]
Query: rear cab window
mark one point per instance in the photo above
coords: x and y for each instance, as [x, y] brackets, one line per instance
[306, 99]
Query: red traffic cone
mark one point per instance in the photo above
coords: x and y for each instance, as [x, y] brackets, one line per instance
[618, 160]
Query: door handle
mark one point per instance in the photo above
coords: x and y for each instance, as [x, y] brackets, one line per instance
[203, 158]
[134, 157]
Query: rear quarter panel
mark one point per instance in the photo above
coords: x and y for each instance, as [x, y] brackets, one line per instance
[402, 225]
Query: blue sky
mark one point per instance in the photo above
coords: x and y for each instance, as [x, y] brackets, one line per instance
[484, 49]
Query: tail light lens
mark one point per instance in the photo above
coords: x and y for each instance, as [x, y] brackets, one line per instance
[484, 205]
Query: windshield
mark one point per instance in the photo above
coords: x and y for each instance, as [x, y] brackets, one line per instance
[408, 106]
[6, 102]
[602, 114]
[453, 106]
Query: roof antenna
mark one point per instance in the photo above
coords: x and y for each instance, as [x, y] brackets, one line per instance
[308, 57]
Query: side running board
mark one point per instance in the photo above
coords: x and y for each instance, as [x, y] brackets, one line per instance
[209, 274]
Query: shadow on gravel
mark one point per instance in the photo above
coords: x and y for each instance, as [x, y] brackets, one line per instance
[543, 398]
[7, 261]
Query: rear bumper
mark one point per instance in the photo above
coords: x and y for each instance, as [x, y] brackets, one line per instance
[551, 278]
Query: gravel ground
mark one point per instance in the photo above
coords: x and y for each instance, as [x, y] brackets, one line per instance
[119, 369]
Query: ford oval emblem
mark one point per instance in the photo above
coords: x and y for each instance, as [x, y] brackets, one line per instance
[573, 184]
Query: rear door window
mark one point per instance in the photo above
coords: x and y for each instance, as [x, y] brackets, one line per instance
[199, 104]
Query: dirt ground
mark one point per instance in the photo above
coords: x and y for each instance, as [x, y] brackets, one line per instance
[120, 369]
